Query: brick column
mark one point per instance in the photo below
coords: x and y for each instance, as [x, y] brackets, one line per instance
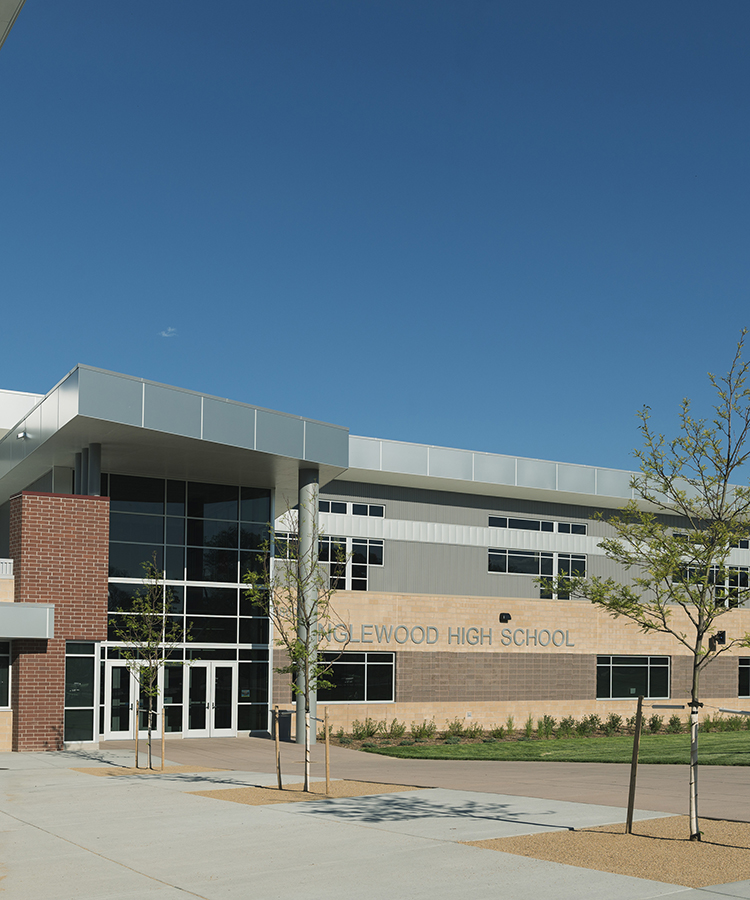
[59, 544]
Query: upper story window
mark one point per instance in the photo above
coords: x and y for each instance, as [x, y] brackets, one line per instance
[537, 525]
[355, 509]
[540, 564]
[731, 583]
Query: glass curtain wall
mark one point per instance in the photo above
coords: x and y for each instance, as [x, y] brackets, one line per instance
[203, 537]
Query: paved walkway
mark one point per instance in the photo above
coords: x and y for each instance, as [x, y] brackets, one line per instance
[70, 835]
[724, 790]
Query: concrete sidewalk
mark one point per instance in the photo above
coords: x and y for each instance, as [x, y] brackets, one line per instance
[73, 835]
[724, 790]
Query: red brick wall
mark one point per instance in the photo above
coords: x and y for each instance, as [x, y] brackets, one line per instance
[60, 546]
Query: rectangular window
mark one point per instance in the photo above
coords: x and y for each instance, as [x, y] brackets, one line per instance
[80, 673]
[537, 563]
[537, 525]
[359, 678]
[4, 673]
[355, 509]
[743, 689]
[348, 560]
[618, 677]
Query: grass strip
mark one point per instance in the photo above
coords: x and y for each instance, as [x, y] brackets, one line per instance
[715, 749]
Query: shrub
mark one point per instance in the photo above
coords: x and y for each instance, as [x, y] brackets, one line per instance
[395, 730]
[583, 728]
[613, 725]
[510, 725]
[630, 725]
[423, 731]
[369, 745]
[345, 740]
[595, 723]
[406, 744]
[363, 730]
[455, 728]
[546, 726]
[655, 723]
[674, 726]
[498, 732]
[474, 730]
[453, 739]
[567, 726]
[528, 727]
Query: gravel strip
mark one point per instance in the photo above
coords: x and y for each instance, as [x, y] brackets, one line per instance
[658, 849]
[293, 793]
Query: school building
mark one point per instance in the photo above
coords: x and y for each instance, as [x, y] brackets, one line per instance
[440, 609]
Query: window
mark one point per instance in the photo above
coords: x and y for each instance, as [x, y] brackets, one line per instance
[355, 509]
[349, 560]
[4, 673]
[537, 563]
[537, 525]
[618, 677]
[359, 678]
[79, 691]
[732, 583]
[743, 688]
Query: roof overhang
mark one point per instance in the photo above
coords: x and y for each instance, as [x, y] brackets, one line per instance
[150, 429]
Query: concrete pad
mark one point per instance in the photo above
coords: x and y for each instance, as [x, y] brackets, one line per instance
[464, 815]
[79, 837]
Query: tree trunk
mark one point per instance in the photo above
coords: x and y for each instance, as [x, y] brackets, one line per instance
[695, 834]
[307, 750]
[150, 707]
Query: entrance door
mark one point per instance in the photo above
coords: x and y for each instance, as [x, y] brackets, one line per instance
[211, 699]
[120, 691]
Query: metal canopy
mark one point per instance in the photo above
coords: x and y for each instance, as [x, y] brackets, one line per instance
[151, 429]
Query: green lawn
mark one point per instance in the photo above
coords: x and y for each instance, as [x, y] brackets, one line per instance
[714, 749]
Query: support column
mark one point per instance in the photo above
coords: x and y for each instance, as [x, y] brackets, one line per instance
[78, 474]
[308, 562]
[95, 470]
[84, 471]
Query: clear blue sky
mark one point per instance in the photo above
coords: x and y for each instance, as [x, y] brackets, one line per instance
[497, 225]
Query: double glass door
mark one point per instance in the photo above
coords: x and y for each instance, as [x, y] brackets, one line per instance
[199, 700]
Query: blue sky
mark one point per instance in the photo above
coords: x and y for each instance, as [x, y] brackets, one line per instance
[497, 225]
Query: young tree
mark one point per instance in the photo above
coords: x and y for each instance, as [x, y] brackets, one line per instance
[676, 538]
[295, 589]
[148, 637]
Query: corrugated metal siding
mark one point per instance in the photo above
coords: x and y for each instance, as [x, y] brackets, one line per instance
[454, 509]
[444, 569]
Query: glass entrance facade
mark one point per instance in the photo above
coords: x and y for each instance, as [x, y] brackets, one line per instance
[204, 537]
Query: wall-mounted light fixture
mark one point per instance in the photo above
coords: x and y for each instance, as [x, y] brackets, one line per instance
[22, 435]
[504, 617]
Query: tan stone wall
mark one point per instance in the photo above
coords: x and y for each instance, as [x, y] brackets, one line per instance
[6, 730]
[488, 714]
[6, 590]
[400, 622]
[518, 666]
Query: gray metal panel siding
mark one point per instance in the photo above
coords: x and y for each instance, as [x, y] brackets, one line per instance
[228, 423]
[325, 443]
[414, 568]
[576, 479]
[27, 620]
[411, 459]
[494, 469]
[419, 505]
[283, 435]
[67, 392]
[176, 412]
[110, 397]
[364, 453]
[446, 463]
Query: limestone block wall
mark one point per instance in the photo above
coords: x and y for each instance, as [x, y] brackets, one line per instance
[456, 659]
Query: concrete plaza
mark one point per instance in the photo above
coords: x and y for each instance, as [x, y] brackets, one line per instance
[67, 834]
